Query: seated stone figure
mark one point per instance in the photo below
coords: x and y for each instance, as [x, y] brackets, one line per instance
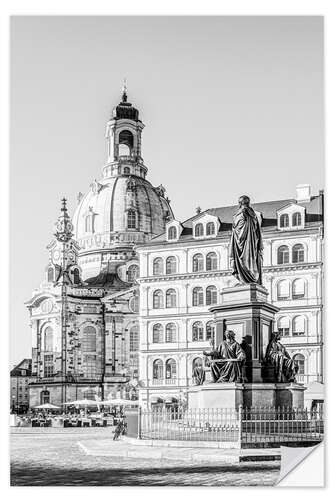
[285, 369]
[199, 374]
[226, 361]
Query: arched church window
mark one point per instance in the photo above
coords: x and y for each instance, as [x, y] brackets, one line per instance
[199, 230]
[131, 219]
[134, 339]
[76, 276]
[125, 143]
[48, 339]
[50, 275]
[132, 273]
[44, 397]
[157, 369]
[88, 341]
[89, 223]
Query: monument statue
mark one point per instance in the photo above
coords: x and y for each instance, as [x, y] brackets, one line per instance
[199, 374]
[227, 360]
[285, 369]
[246, 244]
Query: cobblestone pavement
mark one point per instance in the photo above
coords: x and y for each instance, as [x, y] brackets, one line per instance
[47, 459]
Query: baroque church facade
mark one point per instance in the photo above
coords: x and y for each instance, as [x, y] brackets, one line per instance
[84, 315]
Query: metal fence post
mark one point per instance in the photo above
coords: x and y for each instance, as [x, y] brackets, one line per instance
[240, 422]
[139, 423]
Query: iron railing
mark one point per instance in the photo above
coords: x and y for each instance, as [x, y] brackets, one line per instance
[243, 426]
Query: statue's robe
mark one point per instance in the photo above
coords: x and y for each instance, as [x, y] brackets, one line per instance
[224, 371]
[246, 246]
[284, 367]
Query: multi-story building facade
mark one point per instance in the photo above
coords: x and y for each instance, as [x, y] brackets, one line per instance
[20, 377]
[183, 271]
[85, 335]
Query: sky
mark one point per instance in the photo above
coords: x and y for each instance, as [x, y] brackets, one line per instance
[232, 105]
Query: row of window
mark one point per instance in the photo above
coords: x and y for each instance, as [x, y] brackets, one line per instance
[296, 220]
[199, 297]
[169, 334]
[200, 230]
[295, 327]
[169, 369]
[210, 262]
[295, 291]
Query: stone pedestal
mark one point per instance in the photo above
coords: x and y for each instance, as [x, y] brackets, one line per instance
[232, 395]
[245, 310]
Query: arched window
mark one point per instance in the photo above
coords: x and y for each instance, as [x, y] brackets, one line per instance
[50, 275]
[283, 255]
[284, 220]
[158, 369]
[284, 326]
[132, 273]
[76, 276]
[298, 326]
[134, 339]
[127, 170]
[210, 330]
[131, 219]
[211, 295]
[48, 365]
[171, 298]
[298, 253]
[170, 332]
[296, 219]
[172, 233]
[89, 223]
[157, 266]
[298, 288]
[300, 361]
[199, 230]
[283, 290]
[90, 394]
[197, 296]
[198, 262]
[171, 265]
[157, 333]
[126, 142]
[44, 397]
[88, 341]
[157, 299]
[197, 331]
[210, 228]
[211, 261]
[48, 339]
[170, 369]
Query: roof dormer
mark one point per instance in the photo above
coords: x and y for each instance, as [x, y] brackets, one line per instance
[291, 217]
[173, 230]
[206, 226]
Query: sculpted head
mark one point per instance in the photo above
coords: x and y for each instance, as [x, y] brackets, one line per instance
[276, 336]
[230, 336]
[244, 201]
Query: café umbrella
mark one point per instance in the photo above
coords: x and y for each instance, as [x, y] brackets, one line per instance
[47, 406]
[82, 402]
[119, 402]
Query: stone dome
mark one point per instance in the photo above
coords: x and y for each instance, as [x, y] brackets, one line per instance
[118, 212]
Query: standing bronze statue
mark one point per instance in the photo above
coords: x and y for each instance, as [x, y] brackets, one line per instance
[227, 360]
[285, 368]
[246, 244]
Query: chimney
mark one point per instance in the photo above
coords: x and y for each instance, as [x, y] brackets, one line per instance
[303, 193]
